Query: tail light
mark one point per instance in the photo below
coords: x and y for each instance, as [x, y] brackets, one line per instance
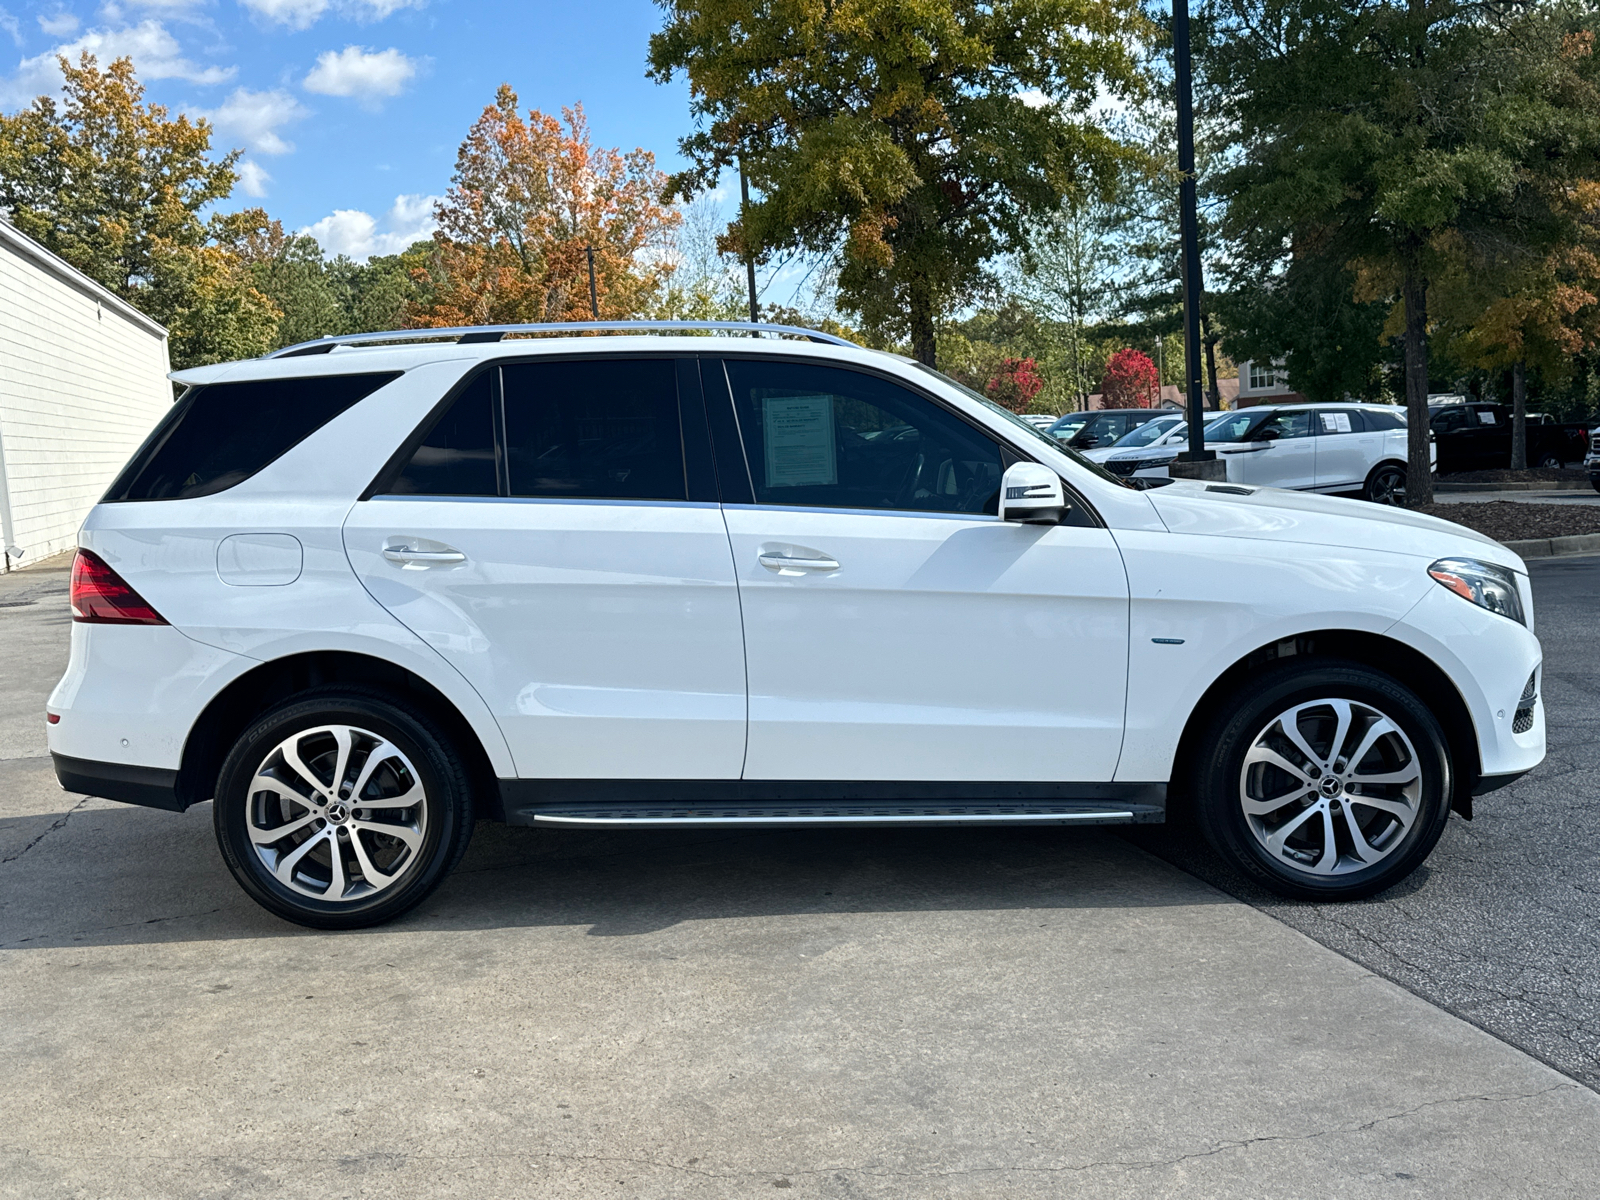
[100, 597]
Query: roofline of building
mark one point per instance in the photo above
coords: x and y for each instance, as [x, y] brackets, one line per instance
[24, 245]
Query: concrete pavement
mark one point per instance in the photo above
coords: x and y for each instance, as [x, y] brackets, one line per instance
[864, 1013]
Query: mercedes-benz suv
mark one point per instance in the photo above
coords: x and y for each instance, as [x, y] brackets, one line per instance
[364, 592]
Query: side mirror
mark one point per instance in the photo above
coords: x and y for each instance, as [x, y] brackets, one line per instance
[1032, 494]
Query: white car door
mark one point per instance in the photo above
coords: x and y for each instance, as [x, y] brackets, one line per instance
[1347, 448]
[1281, 453]
[895, 628]
[556, 537]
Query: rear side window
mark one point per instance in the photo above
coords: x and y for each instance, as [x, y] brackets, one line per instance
[594, 429]
[1377, 419]
[457, 457]
[223, 433]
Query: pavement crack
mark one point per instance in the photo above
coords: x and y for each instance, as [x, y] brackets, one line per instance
[58, 823]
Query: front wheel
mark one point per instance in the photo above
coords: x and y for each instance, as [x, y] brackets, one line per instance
[341, 809]
[1386, 485]
[1324, 781]
[1550, 462]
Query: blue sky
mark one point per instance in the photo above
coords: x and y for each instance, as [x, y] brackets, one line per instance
[350, 111]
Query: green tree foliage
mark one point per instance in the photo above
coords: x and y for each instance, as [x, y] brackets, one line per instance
[1374, 136]
[914, 140]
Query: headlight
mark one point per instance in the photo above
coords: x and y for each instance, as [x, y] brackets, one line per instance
[1485, 584]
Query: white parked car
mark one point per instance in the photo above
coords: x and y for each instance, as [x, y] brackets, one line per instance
[1146, 452]
[364, 591]
[1152, 433]
[1332, 448]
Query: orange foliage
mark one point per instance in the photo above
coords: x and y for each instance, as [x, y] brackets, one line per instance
[528, 197]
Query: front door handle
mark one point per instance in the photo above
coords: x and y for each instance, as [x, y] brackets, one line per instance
[788, 562]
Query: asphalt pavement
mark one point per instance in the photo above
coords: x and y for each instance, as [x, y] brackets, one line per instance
[862, 1013]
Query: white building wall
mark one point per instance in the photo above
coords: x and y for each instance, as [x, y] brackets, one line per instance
[82, 383]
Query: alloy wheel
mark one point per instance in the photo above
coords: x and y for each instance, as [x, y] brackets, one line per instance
[1330, 787]
[337, 813]
[1388, 487]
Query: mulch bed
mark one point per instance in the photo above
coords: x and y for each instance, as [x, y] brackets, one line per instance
[1505, 475]
[1507, 521]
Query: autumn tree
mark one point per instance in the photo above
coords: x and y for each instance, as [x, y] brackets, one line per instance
[529, 198]
[1130, 380]
[912, 140]
[116, 187]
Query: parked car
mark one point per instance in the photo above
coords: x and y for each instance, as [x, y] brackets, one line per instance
[1477, 437]
[1041, 420]
[1591, 461]
[1147, 434]
[364, 591]
[1087, 430]
[1142, 457]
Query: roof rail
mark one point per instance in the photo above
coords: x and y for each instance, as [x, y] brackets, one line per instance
[465, 334]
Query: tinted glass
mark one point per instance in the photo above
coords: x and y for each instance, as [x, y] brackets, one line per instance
[223, 433]
[1234, 427]
[457, 456]
[1285, 425]
[1150, 431]
[1449, 420]
[1069, 425]
[1378, 419]
[1334, 421]
[829, 438]
[604, 430]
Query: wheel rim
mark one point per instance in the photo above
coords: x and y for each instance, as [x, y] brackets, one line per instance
[1330, 787]
[1389, 487]
[337, 813]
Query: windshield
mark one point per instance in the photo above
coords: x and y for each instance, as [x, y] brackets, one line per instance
[1147, 433]
[1033, 431]
[1232, 427]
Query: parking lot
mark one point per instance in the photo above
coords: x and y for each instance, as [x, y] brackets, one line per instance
[842, 1013]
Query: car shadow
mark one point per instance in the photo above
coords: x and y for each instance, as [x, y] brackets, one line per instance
[112, 875]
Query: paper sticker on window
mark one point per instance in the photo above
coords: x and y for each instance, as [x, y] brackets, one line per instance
[798, 431]
[1336, 422]
[1485, 417]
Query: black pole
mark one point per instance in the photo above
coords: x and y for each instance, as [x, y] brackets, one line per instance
[1189, 230]
[749, 256]
[594, 299]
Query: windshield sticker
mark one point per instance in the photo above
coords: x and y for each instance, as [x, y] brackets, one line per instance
[798, 431]
[1485, 417]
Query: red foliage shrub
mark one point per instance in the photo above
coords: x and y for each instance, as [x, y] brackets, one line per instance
[1015, 383]
[1130, 380]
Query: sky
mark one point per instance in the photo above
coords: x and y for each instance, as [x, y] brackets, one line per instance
[349, 112]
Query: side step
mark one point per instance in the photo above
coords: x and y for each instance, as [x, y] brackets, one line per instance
[795, 816]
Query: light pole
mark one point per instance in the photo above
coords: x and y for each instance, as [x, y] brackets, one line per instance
[594, 298]
[1189, 234]
[749, 255]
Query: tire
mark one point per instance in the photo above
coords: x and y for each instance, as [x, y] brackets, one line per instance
[1272, 823]
[1550, 462]
[395, 753]
[1386, 485]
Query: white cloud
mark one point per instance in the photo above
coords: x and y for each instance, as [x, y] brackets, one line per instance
[302, 14]
[368, 76]
[61, 24]
[155, 53]
[254, 118]
[9, 24]
[252, 179]
[1034, 98]
[361, 235]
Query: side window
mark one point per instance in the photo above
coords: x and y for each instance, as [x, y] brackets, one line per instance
[830, 438]
[594, 429]
[1449, 421]
[1285, 425]
[1380, 421]
[457, 456]
[1339, 420]
[223, 433]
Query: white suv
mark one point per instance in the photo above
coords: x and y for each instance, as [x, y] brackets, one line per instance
[1329, 448]
[367, 590]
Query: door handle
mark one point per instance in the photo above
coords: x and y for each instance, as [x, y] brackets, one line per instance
[787, 562]
[441, 556]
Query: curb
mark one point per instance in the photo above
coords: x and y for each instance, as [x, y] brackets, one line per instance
[1548, 485]
[1584, 543]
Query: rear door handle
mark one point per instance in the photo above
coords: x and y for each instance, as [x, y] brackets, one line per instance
[422, 553]
[787, 562]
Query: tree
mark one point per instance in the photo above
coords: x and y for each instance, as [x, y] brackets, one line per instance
[912, 140]
[1372, 133]
[116, 187]
[529, 199]
[1130, 380]
[1015, 383]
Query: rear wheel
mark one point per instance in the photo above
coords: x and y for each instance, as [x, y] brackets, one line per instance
[1386, 484]
[1550, 462]
[1324, 781]
[342, 809]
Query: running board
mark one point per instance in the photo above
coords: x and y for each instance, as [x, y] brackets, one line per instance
[799, 816]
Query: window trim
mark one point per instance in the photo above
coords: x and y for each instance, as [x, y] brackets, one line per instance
[1010, 454]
